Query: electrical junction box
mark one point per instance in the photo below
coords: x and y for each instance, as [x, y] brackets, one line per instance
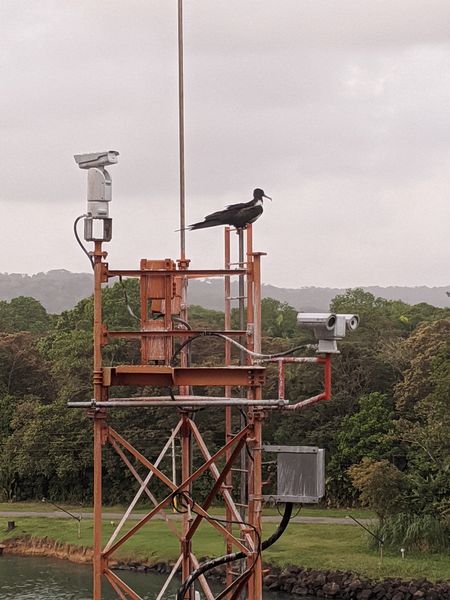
[300, 474]
[97, 229]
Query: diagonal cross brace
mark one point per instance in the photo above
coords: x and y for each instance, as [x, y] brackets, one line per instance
[226, 494]
[115, 580]
[113, 435]
[216, 487]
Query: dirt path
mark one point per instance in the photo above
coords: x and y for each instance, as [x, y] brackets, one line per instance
[113, 516]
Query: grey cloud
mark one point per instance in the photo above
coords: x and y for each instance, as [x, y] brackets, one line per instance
[337, 109]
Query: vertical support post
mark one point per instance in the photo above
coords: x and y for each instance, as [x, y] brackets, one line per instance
[98, 324]
[228, 409]
[250, 294]
[183, 263]
[181, 131]
[255, 442]
[186, 545]
[168, 342]
[174, 461]
[242, 361]
[327, 368]
[99, 417]
[241, 293]
[257, 299]
[281, 384]
[255, 500]
[98, 559]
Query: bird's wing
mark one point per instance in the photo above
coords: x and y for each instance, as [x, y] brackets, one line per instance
[240, 205]
[215, 215]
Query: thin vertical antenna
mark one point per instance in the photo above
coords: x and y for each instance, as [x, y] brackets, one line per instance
[181, 130]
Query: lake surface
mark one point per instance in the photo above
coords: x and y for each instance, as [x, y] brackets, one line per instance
[30, 578]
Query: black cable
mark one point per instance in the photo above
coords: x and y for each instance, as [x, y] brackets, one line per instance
[182, 321]
[224, 337]
[77, 237]
[159, 315]
[227, 558]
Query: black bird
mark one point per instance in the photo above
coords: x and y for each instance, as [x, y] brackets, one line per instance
[236, 215]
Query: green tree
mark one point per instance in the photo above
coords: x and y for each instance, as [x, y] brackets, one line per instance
[362, 435]
[23, 368]
[423, 402]
[279, 320]
[421, 350]
[51, 450]
[24, 314]
[381, 486]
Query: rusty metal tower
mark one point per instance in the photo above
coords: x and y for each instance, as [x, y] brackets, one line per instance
[162, 291]
[235, 469]
[161, 285]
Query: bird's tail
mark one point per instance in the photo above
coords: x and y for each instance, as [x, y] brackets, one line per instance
[205, 224]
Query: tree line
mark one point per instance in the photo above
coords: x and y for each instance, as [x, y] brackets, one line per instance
[386, 430]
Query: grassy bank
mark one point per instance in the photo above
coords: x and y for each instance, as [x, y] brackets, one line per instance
[317, 546]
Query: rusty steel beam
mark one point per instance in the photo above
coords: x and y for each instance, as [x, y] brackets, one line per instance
[189, 273]
[202, 579]
[170, 332]
[116, 588]
[217, 486]
[228, 392]
[175, 488]
[143, 483]
[186, 467]
[169, 579]
[99, 425]
[229, 502]
[160, 376]
[111, 576]
[180, 401]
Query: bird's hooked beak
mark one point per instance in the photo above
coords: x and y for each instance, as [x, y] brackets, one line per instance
[268, 197]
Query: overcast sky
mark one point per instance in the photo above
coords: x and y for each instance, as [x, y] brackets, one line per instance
[338, 109]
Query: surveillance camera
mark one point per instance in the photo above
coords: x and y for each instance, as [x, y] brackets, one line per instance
[318, 322]
[328, 328]
[96, 159]
[351, 321]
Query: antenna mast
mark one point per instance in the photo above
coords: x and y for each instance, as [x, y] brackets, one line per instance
[181, 131]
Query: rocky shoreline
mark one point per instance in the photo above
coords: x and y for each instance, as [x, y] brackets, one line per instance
[346, 585]
[298, 581]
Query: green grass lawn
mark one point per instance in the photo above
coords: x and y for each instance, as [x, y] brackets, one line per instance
[316, 546]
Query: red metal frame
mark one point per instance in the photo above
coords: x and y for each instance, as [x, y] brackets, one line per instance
[163, 284]
[320, 360]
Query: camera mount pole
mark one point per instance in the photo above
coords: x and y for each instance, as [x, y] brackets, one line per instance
[181, 131]
[98, 416]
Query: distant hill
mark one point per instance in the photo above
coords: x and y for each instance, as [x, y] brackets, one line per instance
[57, 290]
[60, 290]
[210, 294]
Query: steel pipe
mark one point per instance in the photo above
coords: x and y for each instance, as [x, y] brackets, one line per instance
[187, 401]
[307, 402]
[191, 273]
[293, 359]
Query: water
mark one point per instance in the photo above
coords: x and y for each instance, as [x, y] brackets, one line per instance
[30, 578]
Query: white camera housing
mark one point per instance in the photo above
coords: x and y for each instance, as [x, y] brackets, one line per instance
[97, 224]
[328, 328]
[96, 159]
[99, 186]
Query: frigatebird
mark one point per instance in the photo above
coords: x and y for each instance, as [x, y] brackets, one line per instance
[236, 215]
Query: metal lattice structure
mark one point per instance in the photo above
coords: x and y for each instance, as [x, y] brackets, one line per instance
[163, 285]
